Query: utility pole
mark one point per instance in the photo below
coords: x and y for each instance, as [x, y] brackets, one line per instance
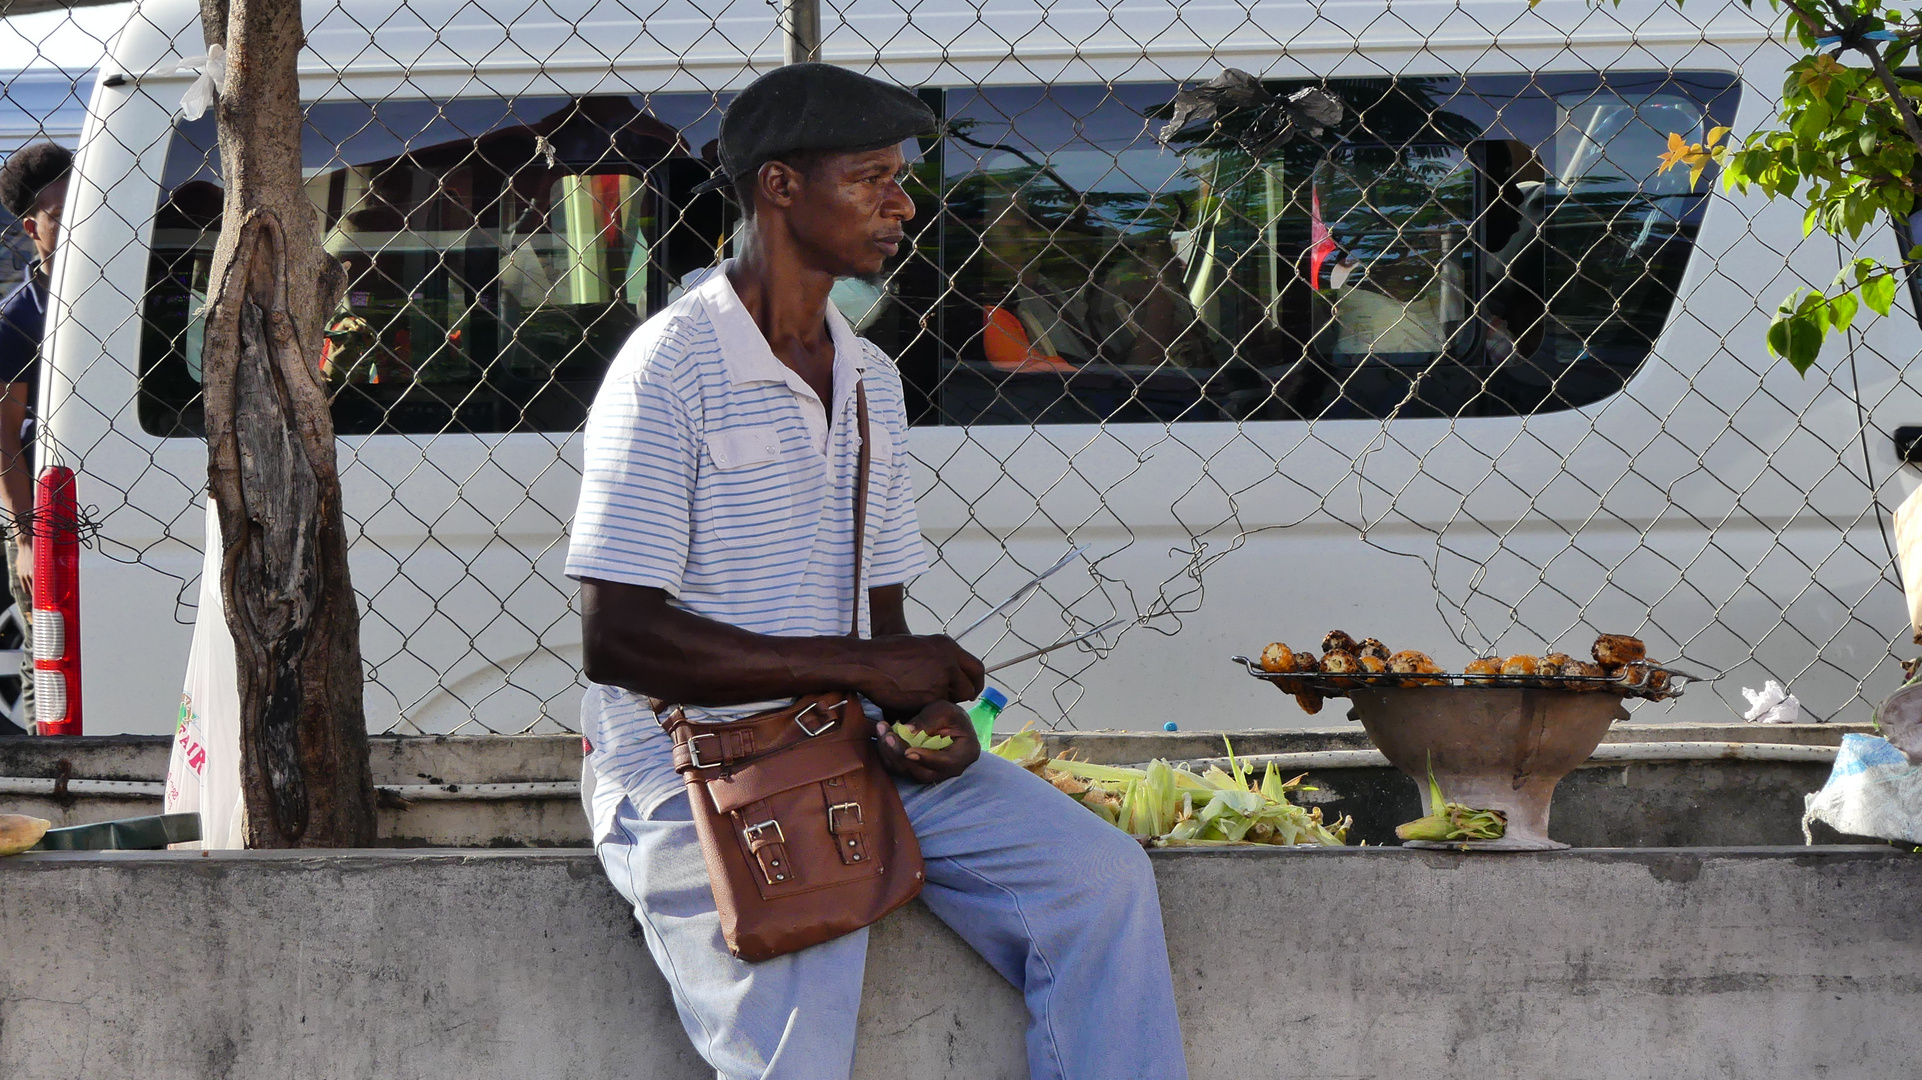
[801, 22]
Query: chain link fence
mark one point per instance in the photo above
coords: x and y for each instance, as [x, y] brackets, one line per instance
[1406, 335]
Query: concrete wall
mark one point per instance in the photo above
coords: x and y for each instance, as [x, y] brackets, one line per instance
[1352, 963]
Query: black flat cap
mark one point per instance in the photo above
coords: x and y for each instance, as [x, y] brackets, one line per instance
[814, 107]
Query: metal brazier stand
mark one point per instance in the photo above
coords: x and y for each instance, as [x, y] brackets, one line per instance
[1490, 748]
[1494, 742]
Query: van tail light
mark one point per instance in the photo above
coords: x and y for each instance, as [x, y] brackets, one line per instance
[56, 604]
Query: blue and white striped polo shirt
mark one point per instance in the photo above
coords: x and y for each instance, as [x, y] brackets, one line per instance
[711, 471]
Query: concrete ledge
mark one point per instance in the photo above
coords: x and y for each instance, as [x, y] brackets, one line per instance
[1679, 803]
[486, 759]
[1128, 747]
[1577, 965]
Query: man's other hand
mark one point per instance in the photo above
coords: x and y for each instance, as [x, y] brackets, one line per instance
[916, 670]
[24, 569]
[931, 766]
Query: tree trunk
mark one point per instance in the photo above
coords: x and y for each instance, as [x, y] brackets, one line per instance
[270, 441]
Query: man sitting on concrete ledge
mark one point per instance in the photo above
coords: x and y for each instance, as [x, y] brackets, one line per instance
[715, 549]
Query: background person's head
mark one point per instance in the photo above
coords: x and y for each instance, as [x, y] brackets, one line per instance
[814, 154]
[33, 188]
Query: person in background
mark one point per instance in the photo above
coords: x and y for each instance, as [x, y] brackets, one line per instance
[33, 188]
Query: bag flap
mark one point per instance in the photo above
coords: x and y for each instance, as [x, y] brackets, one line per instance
[807, 763]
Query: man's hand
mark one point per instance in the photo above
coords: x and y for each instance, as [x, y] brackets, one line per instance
[931, 766]
[23, 566]
[913, 671]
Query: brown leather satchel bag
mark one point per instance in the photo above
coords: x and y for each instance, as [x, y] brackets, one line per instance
[803, 831]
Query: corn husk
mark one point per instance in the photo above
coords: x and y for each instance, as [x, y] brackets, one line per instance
[1448, 821]
[1024, 749]
[1114, 776]
[921, 740]
[1172, 807]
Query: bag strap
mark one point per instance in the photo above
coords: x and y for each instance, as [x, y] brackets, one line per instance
[860, 500]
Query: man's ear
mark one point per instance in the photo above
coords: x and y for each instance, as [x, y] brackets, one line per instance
[779, 183]
[31, 223]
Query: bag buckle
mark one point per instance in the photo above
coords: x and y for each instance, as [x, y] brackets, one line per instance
[753, 832]
[801, 723]
[834, 819]
[694, 751]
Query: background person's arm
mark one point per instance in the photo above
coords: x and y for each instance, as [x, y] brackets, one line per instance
[16, 475]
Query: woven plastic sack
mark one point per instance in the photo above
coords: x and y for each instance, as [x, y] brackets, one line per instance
[1873, 791]
[204, 772]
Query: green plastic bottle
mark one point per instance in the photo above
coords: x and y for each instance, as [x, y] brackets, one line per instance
[985, 709]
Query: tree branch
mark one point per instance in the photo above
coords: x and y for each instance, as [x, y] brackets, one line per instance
[1911, 124]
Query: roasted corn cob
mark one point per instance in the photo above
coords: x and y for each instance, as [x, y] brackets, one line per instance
[19, 832]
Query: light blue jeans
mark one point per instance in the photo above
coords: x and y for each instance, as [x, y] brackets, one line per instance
[1061, 903]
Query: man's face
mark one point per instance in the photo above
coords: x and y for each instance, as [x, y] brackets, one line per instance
[43, 221]
[848, 211]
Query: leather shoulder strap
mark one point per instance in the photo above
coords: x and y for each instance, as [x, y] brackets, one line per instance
[860, 502]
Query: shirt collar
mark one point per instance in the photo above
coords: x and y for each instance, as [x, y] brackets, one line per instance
[745, 351]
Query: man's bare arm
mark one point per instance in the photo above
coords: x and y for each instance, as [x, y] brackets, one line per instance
[887, 610]
[633, 638]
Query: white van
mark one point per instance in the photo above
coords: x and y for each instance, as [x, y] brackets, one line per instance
[37, 104]
[1461, 372]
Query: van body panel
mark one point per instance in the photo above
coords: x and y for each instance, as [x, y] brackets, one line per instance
[1718, 490]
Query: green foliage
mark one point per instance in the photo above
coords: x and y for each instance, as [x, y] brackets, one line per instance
[1846, 146]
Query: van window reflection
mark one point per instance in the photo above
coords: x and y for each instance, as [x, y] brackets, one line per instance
[497, 254]
[1459, 247]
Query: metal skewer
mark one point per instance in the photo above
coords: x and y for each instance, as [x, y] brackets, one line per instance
[1021, 593]
[1032, 653]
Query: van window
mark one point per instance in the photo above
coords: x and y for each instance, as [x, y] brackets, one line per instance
[1454, 247]
[1482, 246]
[497, 252]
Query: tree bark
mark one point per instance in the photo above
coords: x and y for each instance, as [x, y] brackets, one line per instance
[304, 771]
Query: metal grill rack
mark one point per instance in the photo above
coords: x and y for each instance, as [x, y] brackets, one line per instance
[1338, 685]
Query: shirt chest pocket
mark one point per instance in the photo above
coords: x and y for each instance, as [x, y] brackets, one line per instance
[747, 496]
[880, 445]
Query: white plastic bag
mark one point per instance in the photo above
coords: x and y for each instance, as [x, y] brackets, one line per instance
[213, 75]
[1773, 704]
[1872, 791]
[204, 772]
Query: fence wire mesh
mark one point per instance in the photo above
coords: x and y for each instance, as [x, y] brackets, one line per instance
[1408, 330]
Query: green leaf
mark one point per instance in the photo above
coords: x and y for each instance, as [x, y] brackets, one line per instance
[1805, 342]
[1796, 332]
[1879, 294]
[1842, 310]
